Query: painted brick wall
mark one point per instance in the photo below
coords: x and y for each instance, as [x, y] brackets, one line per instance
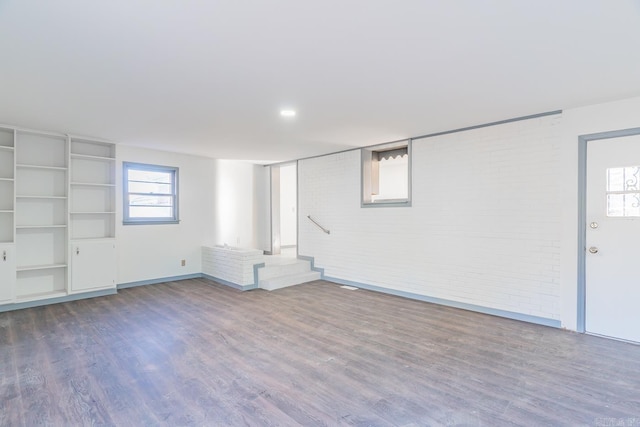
[484, 228]
[235, 266]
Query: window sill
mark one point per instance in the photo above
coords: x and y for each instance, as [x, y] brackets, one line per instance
[381, 203]
[151, 222]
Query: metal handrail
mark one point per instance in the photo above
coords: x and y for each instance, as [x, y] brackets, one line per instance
[319, 226]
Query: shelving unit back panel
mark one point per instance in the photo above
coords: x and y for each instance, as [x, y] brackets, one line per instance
[6, 137]
[6, 195]
[92, 199]
[41, 150]
[41, 246]
[41, 282]
[41, 182]
[6, 227]
[41, 212]
[6, 164]
[92, 226]
[92, 171]
[91, 148]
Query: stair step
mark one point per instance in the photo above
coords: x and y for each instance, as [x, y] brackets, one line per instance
[276, 270]
[279, 282]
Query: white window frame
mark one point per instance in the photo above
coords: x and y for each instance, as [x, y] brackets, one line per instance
[369, 177]
[127, 219]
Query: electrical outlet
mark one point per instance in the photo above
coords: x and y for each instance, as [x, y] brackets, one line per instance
[183, 262]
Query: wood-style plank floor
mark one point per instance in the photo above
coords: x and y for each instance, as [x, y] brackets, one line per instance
[198, 353]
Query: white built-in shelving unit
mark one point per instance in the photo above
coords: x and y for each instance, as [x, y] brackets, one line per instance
[92, 215]
[40, 215]
[57, 215]
[7, 215]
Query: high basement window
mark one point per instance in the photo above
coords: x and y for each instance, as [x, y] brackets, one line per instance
[386, 175]
[150, 194]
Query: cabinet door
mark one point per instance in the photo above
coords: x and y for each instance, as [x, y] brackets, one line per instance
[93, 265]
[7, 273]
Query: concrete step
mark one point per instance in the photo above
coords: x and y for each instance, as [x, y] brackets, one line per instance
[293, 266]
[279, 282]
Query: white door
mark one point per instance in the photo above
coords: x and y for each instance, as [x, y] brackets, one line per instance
[7, 272]
[613, 238]
[93, 264]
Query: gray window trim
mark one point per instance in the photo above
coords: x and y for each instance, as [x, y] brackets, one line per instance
[126, 218]
[365, 175]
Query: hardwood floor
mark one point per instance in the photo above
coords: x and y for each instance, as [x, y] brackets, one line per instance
[198, 353]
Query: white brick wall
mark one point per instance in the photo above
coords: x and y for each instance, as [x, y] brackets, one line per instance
[484, 228]
[235, 266]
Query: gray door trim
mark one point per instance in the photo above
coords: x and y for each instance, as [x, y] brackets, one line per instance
[297, 208]
[583, 141]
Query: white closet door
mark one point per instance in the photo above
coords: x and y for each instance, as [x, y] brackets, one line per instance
[7, 272]
[93, 265]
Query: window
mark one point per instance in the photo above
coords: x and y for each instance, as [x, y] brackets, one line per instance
[623, 192]
[150, 194]
[386, 175]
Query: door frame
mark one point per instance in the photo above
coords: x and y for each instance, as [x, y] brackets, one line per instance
[274, 210]
[274, 207]
[583, 141]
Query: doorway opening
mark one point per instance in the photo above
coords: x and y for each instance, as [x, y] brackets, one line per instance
[288, 210]
[284, 210]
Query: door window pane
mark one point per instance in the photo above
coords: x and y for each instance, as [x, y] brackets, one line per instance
[623, 179]
[623, 205]
[623, 192]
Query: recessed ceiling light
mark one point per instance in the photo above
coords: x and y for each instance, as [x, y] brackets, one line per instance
[287, 113]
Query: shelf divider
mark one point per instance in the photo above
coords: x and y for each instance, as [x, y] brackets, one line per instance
[41, 267]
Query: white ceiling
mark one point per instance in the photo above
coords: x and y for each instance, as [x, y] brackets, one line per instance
[210, 77]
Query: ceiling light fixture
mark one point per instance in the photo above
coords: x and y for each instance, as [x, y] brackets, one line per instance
[287, 113]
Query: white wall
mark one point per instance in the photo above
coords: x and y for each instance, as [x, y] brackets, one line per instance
[236, 190]
[483, 228]
[218, 202]
[262, 183]
[493, 221]
[155, 251]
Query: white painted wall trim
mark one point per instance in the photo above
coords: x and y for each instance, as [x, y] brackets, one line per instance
[67, 298]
